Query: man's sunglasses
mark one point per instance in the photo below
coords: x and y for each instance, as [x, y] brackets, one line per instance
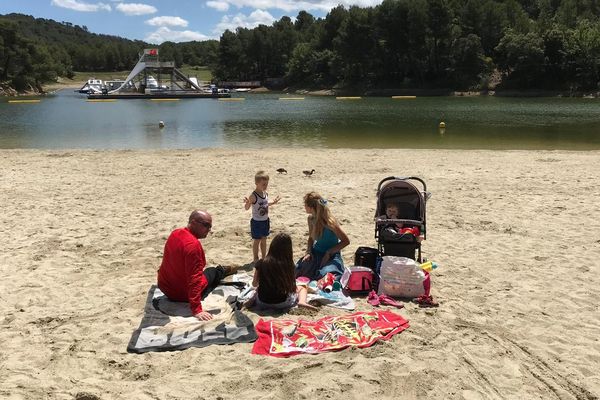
[204, 224]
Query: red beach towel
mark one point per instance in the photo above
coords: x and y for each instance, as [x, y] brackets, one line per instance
[284, 338]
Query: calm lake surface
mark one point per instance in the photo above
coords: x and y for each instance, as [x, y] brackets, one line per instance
[67, 120]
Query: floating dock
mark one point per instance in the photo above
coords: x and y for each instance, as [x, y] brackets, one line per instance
[141, 84]
[163, 95]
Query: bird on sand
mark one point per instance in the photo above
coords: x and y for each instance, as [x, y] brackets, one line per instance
[308, 173]
[282, 170]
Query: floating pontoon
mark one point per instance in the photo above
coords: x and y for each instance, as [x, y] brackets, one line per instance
[155, 79]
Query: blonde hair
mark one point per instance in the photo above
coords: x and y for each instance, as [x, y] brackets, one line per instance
[261, 176]
[322, 217]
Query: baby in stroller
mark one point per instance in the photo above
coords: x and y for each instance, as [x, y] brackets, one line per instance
[400, 217]
[399, 230]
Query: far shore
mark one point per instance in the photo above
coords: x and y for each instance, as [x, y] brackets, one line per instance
[63, 84]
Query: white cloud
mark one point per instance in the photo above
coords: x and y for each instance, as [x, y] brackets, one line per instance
[81, 6]
[256, 18]
[135, 8]
[167, 21]
[164, 34]
[218, 5]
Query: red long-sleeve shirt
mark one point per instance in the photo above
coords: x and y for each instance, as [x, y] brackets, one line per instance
[181, 276]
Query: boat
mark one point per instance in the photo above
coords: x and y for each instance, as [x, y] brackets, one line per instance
[92, 85]
[214, 89]
[114, 84]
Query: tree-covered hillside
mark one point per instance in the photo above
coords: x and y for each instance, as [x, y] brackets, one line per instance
[34, 51]
[452, 44]
[458, 44]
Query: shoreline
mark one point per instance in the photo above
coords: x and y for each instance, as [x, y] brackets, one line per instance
[85, 231]
[54, 87]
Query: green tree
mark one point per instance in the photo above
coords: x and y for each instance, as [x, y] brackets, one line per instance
[467, 61]
[230, 57]
[521, 58]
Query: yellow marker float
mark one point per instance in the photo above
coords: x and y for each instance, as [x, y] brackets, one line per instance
[25, 101]
[403, 97]
[164, 99]
[349, 98]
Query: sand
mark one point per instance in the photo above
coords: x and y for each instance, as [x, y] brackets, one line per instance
[516, 235]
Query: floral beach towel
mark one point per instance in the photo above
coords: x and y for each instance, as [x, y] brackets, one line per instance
[284, 338]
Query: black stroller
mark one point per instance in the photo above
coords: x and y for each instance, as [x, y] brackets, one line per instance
[401, 234]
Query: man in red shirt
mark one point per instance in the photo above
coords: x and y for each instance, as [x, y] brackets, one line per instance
[182, 276]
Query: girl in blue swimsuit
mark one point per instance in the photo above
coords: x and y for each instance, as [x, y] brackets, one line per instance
[325, 240]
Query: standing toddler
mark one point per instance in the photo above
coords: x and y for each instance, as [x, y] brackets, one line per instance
[259, 224]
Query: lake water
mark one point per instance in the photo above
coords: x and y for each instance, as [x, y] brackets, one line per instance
[67, 120]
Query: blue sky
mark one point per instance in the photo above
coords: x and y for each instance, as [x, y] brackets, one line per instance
[156, 21]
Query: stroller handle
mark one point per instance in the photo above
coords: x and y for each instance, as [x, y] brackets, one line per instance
[404, 178]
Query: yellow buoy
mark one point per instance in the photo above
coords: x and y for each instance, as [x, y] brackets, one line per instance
[442, 124]
[348, 98]
[403, 97]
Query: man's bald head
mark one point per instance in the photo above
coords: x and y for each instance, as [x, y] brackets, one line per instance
[200, 223]
[200, 215]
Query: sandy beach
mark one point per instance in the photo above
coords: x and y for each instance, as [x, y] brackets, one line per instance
[516, 235]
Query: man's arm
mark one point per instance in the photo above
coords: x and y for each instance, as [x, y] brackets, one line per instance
[194, 272]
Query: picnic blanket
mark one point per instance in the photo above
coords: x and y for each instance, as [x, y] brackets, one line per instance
[335, 299]
[284, 338]
[169, 325]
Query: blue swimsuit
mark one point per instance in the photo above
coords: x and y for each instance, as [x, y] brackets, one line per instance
[312, 269]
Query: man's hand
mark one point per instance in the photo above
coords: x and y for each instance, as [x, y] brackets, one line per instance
[204, 316]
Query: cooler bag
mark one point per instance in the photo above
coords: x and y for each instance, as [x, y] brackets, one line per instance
[358, 280]
[402, 277]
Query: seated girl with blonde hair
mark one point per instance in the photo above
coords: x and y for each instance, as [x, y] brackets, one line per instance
[325, 240]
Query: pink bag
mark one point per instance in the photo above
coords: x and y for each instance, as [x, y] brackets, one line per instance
[359, 280]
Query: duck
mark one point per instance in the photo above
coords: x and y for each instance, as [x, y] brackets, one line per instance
[282, 170]
[308, 173]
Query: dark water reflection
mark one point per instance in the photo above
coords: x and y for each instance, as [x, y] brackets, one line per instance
[66, 120]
